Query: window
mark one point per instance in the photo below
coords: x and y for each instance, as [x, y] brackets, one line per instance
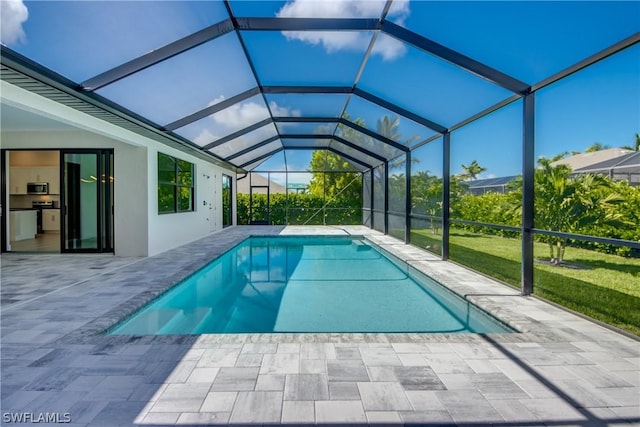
[227, 213]
[175, 185]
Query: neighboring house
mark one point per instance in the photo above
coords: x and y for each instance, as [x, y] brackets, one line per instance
[622, 168]
[618, 163]
[256, 179]
[495, 185]
[582, 160]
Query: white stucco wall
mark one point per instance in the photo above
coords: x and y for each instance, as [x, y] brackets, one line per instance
[139, 229]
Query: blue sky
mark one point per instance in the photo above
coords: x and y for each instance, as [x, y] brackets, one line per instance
[528, 40]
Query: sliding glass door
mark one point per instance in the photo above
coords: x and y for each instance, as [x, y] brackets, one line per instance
[87, 201]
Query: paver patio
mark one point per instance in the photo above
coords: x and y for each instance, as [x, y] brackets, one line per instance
[560, 370]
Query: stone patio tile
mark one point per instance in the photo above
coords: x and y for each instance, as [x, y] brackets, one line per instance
[203, 375]
[161, 418]
[218, 358]
[447, 363]
[20, 399]
[630, 413]
[412, 359]
[288, 348]
[513, 410]
[269, 382]
[235, 379]
[55, 401]
[497, 386]
[85, 383]
[348, 353]
[346, 370]
[536, 389]
[317, 351]
[219, 401]
[410, 348]
[598, 378]
[383, 417]
[257, 407]
[555, 409]
[117, 414]
[380, 357]
[344, 390]
[84, 411]
[424, 400]
[418, 378]
[306, 387]
[336, 411]
[115, 388]
[259, 348]
[182, 371]
[280, 363]
[426, 417]
[313, 366]
[382, 373]
[481, 366]
[513, 370]
[475, 408]
[383, 396]
[181, 398]
[203, 418]
[248, 360]
[52, 379]
[298, 412]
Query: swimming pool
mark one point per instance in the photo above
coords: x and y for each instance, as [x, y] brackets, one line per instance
[306, 284]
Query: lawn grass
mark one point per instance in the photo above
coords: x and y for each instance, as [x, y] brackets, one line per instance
[606, 287]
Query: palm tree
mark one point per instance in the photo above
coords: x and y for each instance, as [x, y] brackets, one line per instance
[472, 171]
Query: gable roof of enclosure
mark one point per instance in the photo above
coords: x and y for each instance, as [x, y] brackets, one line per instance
[239, 81]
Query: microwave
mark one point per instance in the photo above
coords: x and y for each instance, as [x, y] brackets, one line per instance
[37, 188]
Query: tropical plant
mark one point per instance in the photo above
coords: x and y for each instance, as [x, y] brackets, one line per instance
[636, 145]
[471, 171]
[570, 204]
[596, 146]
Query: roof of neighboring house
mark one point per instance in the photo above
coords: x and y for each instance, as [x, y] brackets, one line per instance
[583, 160]
[629, 161]
[261, 181]
[489, 182]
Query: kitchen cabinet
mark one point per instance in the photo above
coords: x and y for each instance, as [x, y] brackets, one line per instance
[23, 225]
[20, 176]
[51, 219]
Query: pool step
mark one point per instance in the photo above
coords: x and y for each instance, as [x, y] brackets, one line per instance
[185, 322]
[149, 322]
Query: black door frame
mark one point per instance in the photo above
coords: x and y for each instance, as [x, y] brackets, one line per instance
[104, 203]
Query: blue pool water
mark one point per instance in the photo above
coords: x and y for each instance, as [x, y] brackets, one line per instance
[306, 284]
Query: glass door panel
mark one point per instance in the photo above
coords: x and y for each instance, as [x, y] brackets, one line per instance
[87, 201]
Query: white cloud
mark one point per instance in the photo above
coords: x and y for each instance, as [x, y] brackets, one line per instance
[237, 117]
[13, 13]
[333, 41]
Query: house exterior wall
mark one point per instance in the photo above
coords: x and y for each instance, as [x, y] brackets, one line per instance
[139, 229]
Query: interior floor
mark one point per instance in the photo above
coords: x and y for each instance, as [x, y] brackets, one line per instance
[45, 242]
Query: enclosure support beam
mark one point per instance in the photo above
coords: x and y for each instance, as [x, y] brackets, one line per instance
[372, 195]
[407, 197]
[386, 197]
[528, 192]
[446, 190]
